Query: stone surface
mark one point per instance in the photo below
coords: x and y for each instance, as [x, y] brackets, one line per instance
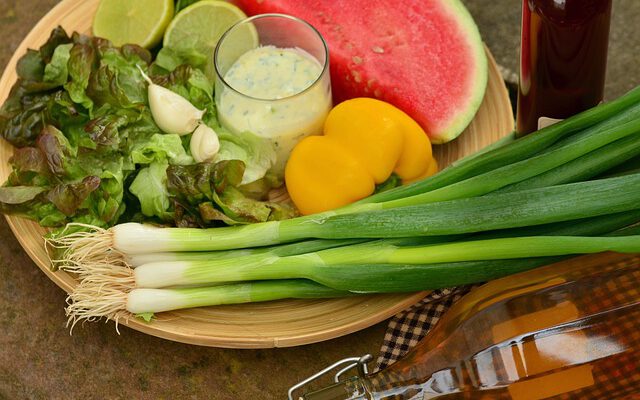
[39, 360]
[499, 24]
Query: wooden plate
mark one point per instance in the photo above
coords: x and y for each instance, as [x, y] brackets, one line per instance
[262, 325]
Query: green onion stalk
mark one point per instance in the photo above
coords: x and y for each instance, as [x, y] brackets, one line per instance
[460, 216]
[592, 226]
[360, 268]
[585, 167]
[290, 249]
[259, 267]
[396, 278]
[90, 303]
[114, 293]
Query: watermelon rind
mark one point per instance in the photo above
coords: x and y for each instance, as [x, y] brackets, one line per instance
[467, 112]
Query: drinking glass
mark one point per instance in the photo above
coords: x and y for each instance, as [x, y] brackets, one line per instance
[283, 119]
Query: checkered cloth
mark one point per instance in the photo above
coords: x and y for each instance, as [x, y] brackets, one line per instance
[616, 378]
[407, 328]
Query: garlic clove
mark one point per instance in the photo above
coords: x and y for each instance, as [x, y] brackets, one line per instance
[172, 112]
[204, 144]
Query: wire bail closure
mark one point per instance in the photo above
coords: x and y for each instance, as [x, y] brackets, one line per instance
[359, 363]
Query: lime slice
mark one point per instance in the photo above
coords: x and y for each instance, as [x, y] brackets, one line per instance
[200, 26]
[140, 22]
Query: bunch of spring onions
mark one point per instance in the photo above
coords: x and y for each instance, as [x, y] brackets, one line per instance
[515, 206]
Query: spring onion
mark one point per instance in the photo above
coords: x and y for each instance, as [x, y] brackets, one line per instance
[92, 300]
[476, 214]
[89, 302]
[584, 167]
[593, 226]
[582, 227]
[489, 212]
[289, 249]
[393, 278]
[629, 167]
[165, 274]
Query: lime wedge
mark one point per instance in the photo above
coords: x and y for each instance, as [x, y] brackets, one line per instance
[140, 22]
[200, 26]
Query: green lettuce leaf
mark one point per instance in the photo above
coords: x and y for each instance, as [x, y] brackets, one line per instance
[26, 110]
[161, 147]
[256, 153]
[206, 193]
[150, 187]
[29, 167]
[62, 112]
[127, 85]
[49, 208]
[82, 61]
[56, 71]
[169, 59]
[31, 66]
[58, 37]
[21, 125]
[57, 150]
[19, 194]
[147, 317]
[117, 81]
[69, 197]
[107, 203]
[45, 213]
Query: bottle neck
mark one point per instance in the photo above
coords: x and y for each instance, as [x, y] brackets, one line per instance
[354, 388]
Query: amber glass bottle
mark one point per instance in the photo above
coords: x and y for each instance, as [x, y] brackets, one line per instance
[567, 331]
[563, 59]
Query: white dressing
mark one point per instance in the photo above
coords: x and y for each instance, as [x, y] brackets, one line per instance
[277, 94]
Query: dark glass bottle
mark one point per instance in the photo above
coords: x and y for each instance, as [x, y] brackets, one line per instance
[567, 331]
[563, 59]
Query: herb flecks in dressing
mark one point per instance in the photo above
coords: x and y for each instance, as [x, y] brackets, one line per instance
[276, 97]
[273, 73]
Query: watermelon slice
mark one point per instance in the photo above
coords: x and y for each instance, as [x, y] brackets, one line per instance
[424, 56]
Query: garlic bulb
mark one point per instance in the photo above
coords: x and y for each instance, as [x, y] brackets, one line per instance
[171, 112]
[204, 144]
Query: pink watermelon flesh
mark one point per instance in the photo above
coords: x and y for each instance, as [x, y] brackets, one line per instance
[424, 56]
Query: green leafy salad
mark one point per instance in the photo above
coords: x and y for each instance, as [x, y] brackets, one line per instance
[87, 148]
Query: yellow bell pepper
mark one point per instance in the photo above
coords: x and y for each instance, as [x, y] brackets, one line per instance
[416, 155]
[365, 141]
[371, 131]
[432, 169]
[321, 175]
